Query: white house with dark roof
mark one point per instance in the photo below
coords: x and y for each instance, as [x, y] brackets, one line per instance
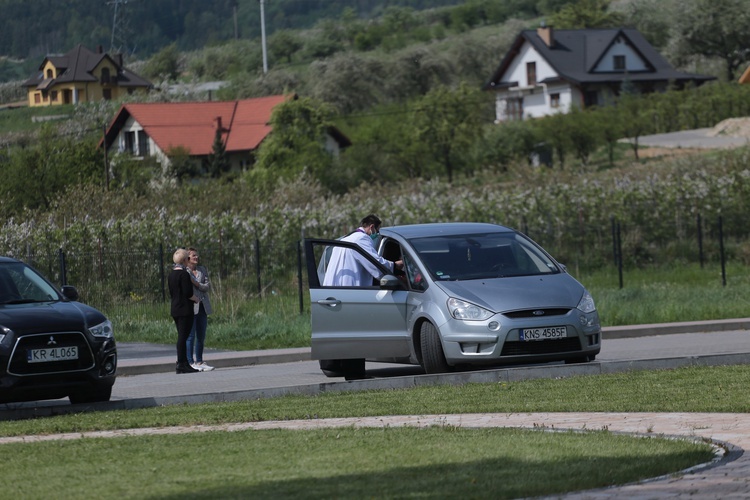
[547, 71]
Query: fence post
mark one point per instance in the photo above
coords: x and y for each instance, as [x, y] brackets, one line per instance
[61, 258]
[700, 240]
[721, 251]
[161, 272]
[619, 254]
[257, 263]
[614, 239]
[222, 270]
[299, 277]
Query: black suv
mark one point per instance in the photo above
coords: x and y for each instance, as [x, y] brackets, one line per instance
[51, 345]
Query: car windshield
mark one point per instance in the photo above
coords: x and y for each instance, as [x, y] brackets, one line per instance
[20, 284]
[481, 256]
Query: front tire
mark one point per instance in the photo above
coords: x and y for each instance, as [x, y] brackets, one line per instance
[580, 359]
[95, 395]
[433, 357]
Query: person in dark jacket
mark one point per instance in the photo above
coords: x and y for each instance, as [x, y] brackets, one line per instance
[183, 299]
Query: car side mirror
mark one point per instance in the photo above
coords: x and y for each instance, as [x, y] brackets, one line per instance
[70, 292]
[390, 282]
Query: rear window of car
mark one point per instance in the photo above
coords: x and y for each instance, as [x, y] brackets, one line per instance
[481, 256]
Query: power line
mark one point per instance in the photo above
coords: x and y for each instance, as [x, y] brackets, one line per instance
[120, 29]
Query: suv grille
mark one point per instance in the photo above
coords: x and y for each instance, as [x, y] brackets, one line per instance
[19, 364]
[529, 313]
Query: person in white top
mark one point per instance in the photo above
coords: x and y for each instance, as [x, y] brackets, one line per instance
[349, 268]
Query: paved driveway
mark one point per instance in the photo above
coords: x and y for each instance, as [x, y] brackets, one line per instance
[691, 139]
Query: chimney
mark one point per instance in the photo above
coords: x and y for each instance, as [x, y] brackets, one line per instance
[545, 33]
[217, 120]
[99, 49]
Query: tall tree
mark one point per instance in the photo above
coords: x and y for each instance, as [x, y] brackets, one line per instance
[716, 28]
[586, 14]
[218, 163]
[297, 141]
[449, 121]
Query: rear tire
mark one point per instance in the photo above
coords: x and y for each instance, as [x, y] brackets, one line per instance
[433, 357]
[350, 369]
[332, 367]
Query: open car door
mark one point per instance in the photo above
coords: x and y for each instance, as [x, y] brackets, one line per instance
[354, 322]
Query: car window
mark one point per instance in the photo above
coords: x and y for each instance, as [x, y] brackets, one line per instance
[324, 251]
[414, 274]
[477, 256]
[20, 283]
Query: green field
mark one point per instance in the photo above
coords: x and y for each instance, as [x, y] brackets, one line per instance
[442, 461]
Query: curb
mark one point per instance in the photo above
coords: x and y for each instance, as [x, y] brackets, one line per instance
[166, 364]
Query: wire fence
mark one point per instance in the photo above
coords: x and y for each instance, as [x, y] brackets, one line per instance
[106, 279]
[136, 277]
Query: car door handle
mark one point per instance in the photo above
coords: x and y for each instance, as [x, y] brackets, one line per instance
[331, 302]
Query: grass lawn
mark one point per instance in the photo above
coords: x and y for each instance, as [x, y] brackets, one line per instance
[384, 463]
[437, 462]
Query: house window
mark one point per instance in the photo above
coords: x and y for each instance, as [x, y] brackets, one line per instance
[142, 143]
[554, 100]
[37, 98]
[130, 142]
[531, 74]
[105, 75]
[53, 96]
[619, 63]
[514, 108]
[590, 98]
[50, 74]
[107, 94]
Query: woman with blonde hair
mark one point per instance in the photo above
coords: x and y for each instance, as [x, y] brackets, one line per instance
[181, 293]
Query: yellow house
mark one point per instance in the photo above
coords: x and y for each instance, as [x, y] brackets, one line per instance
[82, 76]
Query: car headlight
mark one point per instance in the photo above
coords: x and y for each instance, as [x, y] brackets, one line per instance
[586, 304]
[102, 330]
[461, 309]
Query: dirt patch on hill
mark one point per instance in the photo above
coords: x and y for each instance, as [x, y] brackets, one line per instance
[732, 127]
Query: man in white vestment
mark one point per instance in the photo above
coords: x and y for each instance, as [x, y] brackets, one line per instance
[349, 268]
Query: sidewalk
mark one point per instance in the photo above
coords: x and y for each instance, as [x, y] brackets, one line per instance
[134, 365]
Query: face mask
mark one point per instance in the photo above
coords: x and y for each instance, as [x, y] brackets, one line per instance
[375, 236]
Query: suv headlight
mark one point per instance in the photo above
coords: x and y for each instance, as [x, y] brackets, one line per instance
[103, 330]
[460, 309]
[586, 304]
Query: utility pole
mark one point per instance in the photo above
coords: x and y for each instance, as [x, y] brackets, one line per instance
[263, 35]
[236, 29]
[120, 28]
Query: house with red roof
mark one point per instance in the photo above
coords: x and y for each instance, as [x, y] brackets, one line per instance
[158, 129]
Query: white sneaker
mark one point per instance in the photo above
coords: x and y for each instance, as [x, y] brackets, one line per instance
[196, 366]
[203, 367]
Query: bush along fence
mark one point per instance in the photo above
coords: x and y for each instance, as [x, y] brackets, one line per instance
[107, 278]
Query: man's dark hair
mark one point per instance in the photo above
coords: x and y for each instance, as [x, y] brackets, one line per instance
[370, 219]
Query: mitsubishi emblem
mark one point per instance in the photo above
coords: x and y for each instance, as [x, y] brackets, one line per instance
[51, 341]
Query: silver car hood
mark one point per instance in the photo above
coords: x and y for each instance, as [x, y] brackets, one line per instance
[517, 293]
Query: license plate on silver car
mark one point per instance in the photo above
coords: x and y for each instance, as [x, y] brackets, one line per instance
[52, 354]
[548, 333]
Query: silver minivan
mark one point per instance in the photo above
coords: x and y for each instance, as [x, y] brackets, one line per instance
[469, 294]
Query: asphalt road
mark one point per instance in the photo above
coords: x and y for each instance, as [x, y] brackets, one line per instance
[258, 380]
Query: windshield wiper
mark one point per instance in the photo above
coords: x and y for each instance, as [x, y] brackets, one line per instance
[24, 301]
